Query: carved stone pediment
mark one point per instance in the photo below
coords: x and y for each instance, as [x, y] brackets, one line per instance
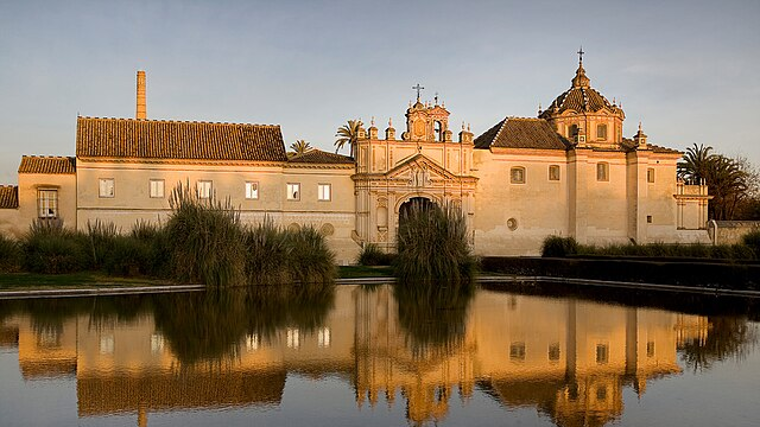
[420, 171]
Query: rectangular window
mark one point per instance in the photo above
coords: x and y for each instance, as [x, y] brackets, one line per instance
[251, 190]
[294, 191]
[649, 219]
[602, 172]
[601, 132]
[517, 175]
[650, 349]
[106, 187]
[47, 204]
[554, 352]
[554, 173]
[204, 189]
[650, 175]
[157, 188]
[323, 337]
[323, 192]
[517, 351]
[602, 353]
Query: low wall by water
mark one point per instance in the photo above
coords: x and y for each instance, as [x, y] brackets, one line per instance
[742, 276]
[730, 232]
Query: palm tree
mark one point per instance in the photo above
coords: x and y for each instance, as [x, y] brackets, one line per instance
[348, 134]
[300, 147]
[696, 163]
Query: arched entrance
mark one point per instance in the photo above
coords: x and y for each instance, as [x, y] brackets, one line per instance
[415, 203]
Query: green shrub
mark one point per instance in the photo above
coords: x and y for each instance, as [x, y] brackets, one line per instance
[207, 241]
[128, 257]
[372, 255]
[556, 246]
[102, 237]
[153, 237]
[50, 248]
[10, 255]
[432, 246]
[752, 241]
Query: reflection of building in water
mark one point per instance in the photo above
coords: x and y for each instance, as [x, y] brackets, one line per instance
[569, 359]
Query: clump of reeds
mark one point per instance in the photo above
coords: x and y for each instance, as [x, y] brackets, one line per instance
[51, 248]
[207, 240]
[278, 255]
[752, 241]
[372, 255]
[10, 255]
[433, 246]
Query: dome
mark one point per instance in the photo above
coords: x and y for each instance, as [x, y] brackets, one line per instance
[581, 98]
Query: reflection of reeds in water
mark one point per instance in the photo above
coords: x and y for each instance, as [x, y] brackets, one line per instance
[211, 325]
[432, 246]
[434, 316]
[727, 337]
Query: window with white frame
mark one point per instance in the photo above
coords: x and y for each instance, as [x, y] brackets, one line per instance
[204, 189]
[106, 187]
[324, 192]
[323, 337]
[251, 190]
[47, 204]
[294, 191]
[157, 188]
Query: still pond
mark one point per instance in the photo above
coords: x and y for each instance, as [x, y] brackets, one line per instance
[374, 356]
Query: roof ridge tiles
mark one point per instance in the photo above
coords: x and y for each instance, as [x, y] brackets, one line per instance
[178, 121]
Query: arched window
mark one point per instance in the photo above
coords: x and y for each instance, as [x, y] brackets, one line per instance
[601, 132]
[572, 132]
[517, 175]
[439, 130]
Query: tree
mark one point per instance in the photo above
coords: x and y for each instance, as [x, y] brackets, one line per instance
[348, 134]
[729, 181]
[696, 163]
[300, 147]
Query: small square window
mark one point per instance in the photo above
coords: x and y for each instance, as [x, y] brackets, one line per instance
[323, 191]
[156, 188]
[554, 173]
[517, 175]
[294, 191]
[649, 219]
[204, 189]
[601, 132]
[602, 172]
[650, 175]
[554, 352]
[106, 187]
[251, 190]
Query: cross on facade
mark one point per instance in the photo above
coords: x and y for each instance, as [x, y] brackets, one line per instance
[580, 55]
[418, 88]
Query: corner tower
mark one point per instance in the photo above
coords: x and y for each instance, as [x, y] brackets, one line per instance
[584, 116]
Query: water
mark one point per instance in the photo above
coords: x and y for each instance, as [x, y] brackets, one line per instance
[375, 357]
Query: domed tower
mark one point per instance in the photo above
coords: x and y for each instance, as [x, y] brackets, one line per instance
[583, 115]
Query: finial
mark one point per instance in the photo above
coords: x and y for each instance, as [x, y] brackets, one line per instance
[614, 101]
[468, 127]
[462, 124]
[372, 121]
[436, 98]
[443, 104]
[580, 55]
[390, 122]
[539, 108]
[639, 126]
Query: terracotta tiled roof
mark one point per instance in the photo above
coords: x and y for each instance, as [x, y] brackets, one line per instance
[519, 132]
[8, 197]
[47, 165]
[161, 139]
[319, 156]
[629, 145]
[581, 98]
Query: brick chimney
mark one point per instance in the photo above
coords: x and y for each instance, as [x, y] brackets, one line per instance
[141, 108]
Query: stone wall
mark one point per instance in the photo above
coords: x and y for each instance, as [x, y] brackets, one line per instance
[730, 232]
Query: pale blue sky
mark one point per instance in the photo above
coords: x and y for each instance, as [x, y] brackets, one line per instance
[690, 70]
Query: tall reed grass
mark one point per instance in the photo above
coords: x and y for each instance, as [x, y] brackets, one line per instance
[433, 246]
[49, 247]
[10, 255]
